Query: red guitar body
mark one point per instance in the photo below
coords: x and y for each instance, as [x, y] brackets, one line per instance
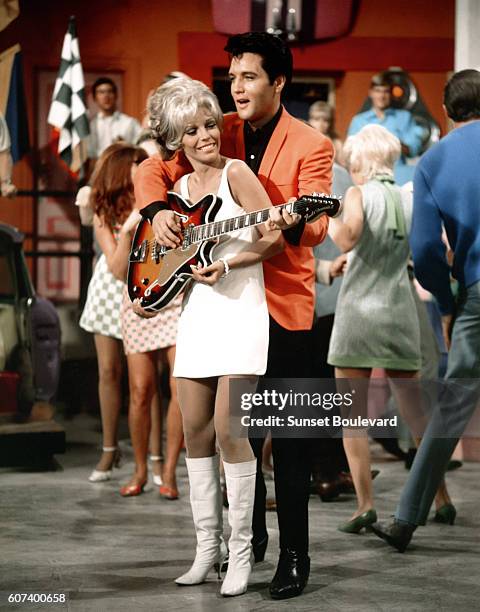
[155, 279]
[157, 274]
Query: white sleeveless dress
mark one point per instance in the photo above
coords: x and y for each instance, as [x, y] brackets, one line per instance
[223, 329]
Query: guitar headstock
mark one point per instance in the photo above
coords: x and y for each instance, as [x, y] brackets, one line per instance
[312, 206]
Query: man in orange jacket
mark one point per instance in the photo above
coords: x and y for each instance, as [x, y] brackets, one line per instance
[290, 159]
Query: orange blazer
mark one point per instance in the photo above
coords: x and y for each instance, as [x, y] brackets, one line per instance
[298, 160]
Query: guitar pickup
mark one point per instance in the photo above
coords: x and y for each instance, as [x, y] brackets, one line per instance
[139, 255]
[158, 251]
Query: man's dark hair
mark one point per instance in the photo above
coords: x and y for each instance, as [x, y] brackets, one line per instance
[462, 96]
[276, 56]
[103, 81]
[381, 79]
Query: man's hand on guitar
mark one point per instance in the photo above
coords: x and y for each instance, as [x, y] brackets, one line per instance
[167, 228]
[141, 312]
[208, 275]
[283, 220]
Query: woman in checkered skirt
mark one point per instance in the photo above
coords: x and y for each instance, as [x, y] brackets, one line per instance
[146, 342]
[112, 199]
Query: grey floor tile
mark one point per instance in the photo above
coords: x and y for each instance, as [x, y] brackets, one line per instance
[59, 533]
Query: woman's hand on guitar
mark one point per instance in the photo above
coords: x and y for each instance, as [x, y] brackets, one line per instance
[167, 228]
[141, 312]
[208, 275]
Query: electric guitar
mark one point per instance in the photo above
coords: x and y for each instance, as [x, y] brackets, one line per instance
[157, 274]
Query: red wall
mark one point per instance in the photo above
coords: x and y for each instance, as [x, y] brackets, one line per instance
[417, 36]
[432, 19]
[145, 39]
[135, 37]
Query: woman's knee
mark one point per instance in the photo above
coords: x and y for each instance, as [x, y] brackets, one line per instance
[141, 393]
[199, 443]
[109, 373]
[197, 431]
[232, 447]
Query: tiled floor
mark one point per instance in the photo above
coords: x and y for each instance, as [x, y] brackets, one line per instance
[61, 534]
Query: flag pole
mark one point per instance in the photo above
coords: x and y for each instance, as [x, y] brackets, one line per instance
[68, 110]
[69, 118]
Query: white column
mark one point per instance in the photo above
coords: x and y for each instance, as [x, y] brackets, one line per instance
[467, 34]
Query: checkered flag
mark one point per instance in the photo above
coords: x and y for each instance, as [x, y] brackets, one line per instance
[68, 112]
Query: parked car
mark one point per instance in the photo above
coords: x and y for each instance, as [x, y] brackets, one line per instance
[29, 359]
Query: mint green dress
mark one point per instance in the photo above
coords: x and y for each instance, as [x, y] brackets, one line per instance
[376, 324]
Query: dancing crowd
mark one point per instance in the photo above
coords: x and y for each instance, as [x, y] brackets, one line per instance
[271, 303]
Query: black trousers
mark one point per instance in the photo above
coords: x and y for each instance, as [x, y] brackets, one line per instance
[289, 356]
[329, 455]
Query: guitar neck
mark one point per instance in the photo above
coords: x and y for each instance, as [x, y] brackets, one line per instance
[220, 228]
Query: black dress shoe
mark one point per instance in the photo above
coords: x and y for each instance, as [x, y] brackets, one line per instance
[291, 576]
[328, 490]
[396, 534]
[345, 481]
[259, 547]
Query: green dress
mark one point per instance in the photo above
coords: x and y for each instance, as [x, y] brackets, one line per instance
[376, 324]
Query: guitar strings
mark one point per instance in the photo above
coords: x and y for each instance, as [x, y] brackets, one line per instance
[198, 228]
[298, 205]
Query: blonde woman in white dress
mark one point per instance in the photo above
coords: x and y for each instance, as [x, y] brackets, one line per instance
[223, 329]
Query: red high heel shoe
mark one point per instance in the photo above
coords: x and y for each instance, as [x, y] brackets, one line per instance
[170, 493]
[132, 490]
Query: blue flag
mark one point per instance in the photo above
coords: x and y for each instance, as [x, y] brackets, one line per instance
[12, 105]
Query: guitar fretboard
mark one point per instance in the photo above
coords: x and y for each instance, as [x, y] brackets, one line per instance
[218, 228]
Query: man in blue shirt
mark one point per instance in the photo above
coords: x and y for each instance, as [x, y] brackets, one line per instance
[397, 121]
[447, 194]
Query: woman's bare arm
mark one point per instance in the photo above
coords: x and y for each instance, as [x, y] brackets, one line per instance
[116, 252]
[346, 232]
[249, 193]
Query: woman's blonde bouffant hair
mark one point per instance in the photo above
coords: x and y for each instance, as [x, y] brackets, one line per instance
[374, 150]
[173, 105]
